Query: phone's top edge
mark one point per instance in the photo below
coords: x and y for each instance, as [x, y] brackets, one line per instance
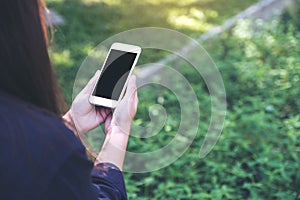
[126, 47]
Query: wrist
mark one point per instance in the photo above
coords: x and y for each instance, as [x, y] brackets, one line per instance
[116, 129]
[118, 137]
[69, 122]
[120, 125]
[114, 147]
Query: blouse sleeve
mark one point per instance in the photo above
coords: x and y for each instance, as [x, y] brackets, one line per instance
[109, 181]
[78, 179]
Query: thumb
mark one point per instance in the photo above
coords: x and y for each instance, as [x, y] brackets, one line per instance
[131, 87]
[90, 85]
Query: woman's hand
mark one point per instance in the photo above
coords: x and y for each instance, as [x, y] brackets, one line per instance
[115, 144]
[83, 116]
[126, 109]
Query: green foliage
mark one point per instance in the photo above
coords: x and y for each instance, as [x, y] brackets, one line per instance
[257, 155]
[260, 64]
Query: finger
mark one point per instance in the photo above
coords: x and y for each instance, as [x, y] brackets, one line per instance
[131, 87]
[133, 104]
[108, 111]
[107, 123]
[90, 85]
[136, 99]
[101, 115]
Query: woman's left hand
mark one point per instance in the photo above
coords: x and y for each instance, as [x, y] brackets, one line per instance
[84, 116]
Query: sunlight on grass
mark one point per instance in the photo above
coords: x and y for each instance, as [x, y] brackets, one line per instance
[87, 49]
[179, 3]
[192, 19]
[108, 2]
[243, 29]
[62, 58]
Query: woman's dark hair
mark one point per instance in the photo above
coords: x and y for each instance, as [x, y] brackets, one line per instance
[25, 68]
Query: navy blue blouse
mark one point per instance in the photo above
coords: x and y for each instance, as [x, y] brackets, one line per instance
[42, 159]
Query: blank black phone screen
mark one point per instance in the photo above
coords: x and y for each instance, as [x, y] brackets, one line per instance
[114, 74]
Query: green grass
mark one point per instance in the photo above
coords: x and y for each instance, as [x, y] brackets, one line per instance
[257, 155]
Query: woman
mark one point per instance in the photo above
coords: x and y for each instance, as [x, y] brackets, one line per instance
[41, 157]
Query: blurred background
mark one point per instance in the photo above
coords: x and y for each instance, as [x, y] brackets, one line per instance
[258, 153]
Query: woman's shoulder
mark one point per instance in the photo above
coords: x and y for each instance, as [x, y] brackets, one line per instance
[15, 112]
[20, 118]
[34, 145]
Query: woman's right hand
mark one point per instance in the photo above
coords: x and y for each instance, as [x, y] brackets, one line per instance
[117, 133]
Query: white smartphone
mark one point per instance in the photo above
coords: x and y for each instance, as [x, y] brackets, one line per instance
[115, 72]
